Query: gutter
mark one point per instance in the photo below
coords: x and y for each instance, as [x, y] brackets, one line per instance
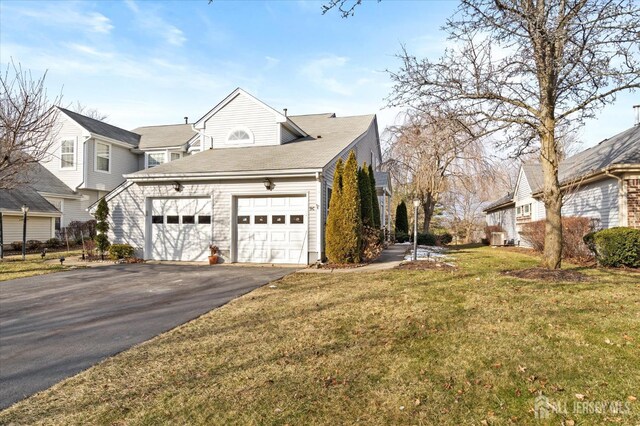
[622, 199]
[85, 163]
[222, 175]
[593, 176]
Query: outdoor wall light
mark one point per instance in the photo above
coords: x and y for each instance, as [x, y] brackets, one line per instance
[177, 186]
[268, 184]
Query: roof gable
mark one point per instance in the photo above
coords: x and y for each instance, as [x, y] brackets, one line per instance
[278, 117]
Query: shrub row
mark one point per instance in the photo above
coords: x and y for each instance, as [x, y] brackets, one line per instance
[425, 238]
[615, 246]
[573, 230]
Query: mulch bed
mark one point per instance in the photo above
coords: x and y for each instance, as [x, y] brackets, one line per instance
[543, 274]
[422, 265]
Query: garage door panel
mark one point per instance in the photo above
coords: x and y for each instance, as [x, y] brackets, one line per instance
[270, 235]
[176, 229]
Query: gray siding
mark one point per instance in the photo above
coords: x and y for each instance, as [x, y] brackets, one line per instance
[242, 112]
[123, 161]
[286, 135]
[597, 200]
[67, 129]
[506, 218]
[129, 210]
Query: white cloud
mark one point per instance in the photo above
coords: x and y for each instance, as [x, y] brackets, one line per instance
[68, 15]
[320, 71]
[271, 62]
[151, 21]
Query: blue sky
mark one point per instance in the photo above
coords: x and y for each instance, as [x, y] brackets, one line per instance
[145, 63]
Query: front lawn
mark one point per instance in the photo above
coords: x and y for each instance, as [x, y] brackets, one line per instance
[463, 345]
[12, 267]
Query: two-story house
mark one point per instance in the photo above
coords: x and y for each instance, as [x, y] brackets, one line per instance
[258, 189]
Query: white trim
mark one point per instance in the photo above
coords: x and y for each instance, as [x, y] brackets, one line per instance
[54, 195]
[148, 153]
[135, 177]
[245, 129]
[95, 156]
[319, 211]
[74, 142]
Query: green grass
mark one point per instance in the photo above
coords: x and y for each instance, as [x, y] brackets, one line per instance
[12, 267]
[468, 346]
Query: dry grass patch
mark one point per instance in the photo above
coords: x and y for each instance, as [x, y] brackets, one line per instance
[397, 347]
[12, 267]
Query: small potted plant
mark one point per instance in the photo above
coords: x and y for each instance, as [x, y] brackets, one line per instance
[213, 258]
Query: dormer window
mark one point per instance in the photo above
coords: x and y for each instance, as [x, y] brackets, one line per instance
[240, 136]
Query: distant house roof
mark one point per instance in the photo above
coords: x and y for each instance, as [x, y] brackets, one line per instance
[533, 173]
[164, 136]
[504, 202]
[329, 136]
[42, 180]
[100, 128]
[12, 200]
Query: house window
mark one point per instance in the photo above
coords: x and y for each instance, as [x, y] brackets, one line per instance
[175, 156]
[103, 157]
[524, 210]
[154, 159]
[68, 154]
[240, 136]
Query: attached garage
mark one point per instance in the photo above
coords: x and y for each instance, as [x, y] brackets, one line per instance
[180, 228]
[272, 229]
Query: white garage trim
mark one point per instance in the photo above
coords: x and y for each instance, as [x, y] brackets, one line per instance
[178, 228]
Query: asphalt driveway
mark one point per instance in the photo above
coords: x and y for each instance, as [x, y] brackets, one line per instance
[54, 326]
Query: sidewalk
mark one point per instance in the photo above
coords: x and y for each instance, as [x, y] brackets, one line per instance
[389, 259]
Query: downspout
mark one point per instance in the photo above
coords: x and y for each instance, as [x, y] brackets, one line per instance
[85, 170]
[623, 217]
[319, 216]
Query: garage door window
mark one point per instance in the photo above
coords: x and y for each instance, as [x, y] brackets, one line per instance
[188, 220]
[173, 219]
[260, 219]
[243, 219]
[277, 219]
[296, 218]
[204, 220]
[157, 219]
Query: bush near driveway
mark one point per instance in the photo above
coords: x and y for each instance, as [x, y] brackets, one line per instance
[436, 347]
[120, 251]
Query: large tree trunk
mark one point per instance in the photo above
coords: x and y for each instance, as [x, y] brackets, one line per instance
[428, 207]
[552, 256]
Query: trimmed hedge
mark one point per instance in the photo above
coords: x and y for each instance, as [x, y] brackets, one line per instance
[615, 247]
[120, 251]
[53, 243]
[402, 220]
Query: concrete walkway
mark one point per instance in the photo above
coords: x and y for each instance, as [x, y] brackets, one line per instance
[389, 259]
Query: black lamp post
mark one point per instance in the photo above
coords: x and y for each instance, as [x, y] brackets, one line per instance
[25, 210]
[416, 204]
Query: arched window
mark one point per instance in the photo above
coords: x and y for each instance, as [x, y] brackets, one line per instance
[240, 135]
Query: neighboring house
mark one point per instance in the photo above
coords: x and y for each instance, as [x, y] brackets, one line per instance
[91, 157]
[601, 183]
[384, 192]
[259, 189]
[43, 217]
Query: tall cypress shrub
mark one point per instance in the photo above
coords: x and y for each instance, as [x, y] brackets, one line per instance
[102, 226]
[374, 199]
[333, 230]
[351, 210]
[364, 185]
[402, 220]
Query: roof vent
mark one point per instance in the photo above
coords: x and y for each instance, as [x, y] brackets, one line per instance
[186, 120]
[285, 111]
[319, 136]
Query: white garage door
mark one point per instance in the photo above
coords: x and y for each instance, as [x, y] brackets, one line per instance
[272, 229]
[180, 228]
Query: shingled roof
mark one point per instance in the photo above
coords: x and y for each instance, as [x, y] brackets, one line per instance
[12, 200]
[329, 136]
[100, 128]
[165, 135]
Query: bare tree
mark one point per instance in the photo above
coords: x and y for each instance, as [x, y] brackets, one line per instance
[530, 71]
[88, 112]
[28, 124]
[425, 152]
[345, 7]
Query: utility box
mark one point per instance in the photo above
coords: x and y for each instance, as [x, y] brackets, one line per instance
[498, 238]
